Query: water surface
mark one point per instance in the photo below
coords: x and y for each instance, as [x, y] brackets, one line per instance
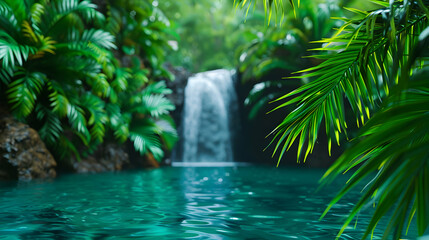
[177, 203]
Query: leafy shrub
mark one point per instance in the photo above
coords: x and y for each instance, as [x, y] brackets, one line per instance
[61, 74]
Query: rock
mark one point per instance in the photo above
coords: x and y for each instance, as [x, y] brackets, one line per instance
[108, 158]
[23, 155]
[181, 76]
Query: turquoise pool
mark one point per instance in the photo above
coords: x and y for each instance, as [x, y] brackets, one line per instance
[177, 203]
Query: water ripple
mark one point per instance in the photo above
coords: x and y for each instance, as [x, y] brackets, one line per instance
[177, 203]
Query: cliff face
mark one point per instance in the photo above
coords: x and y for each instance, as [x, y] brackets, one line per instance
[23, 155]
[108, 158]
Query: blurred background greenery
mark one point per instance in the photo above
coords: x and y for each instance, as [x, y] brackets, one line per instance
[87, 73]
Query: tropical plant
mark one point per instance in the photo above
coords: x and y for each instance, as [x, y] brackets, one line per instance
[141, 110]
[281, 50]
[61, 74]
[53, 68]
[375, 62]
[208, 33]
[142, 30]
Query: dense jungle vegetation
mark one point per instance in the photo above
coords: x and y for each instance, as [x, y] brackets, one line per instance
[374, 66]
[84, 73]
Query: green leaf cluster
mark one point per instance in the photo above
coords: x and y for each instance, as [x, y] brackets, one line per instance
[375, 67]
[67, 70]
[281, 50]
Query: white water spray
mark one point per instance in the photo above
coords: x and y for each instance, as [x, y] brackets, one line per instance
[209, 117]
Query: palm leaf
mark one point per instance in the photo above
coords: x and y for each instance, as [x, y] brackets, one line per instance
[118, 122]
[11, 52]
[8, 20]
[59, 101]
[121, 79]
[155, 105]
[24, 90]
[157, 88]
[77, 121]
[62, 8]
[51, 129]
[143, 133]
[397, 151]
[99, 37]
[167, 131]
[99, 84]
[97, 115]
[361, 56]
[270, 6]
[36, 12]
[6, 75]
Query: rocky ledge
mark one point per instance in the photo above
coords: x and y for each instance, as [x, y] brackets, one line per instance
[23, 155]
[108, 158]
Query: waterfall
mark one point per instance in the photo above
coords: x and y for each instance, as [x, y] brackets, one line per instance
[209, 117]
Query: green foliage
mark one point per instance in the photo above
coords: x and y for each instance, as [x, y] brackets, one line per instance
[151, 128]
[396, 150]
[40, 56]
[142, 33]
[283, 49]
[142, 30]
[376, 63]
[278, 7]
[208, 33]
[60, 75]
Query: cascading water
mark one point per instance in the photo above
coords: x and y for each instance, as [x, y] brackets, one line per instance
[209, 116]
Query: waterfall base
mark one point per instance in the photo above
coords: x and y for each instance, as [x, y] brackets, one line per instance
[209, 116]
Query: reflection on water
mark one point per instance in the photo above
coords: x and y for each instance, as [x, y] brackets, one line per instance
[177, 203]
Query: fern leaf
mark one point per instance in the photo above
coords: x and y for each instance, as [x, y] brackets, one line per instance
[77, 121]
[98, 117]
[121, 79]
[23, 92]
[51, 129]
[155, 105]
[157, 88]
[12, 53]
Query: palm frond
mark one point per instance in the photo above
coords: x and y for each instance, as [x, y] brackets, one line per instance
[11, 52]
[76, 40]
[397, 151]
[99, 37]
[121, 79]
[18, 8]
[8, 20]
[62, 8]
[51, 129]
[24, 90]
[100, 85]
[362, 63]
[58, 99]
[277, 7]
[68, 65]
[6, 75]
[36, 12]
[155, 105]
[167, 131]
[119, 122]
[97, 116]
[113, 21]
[77, 121]
[157, 88]
[143, 133]
[42, 44]
[140, 77]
